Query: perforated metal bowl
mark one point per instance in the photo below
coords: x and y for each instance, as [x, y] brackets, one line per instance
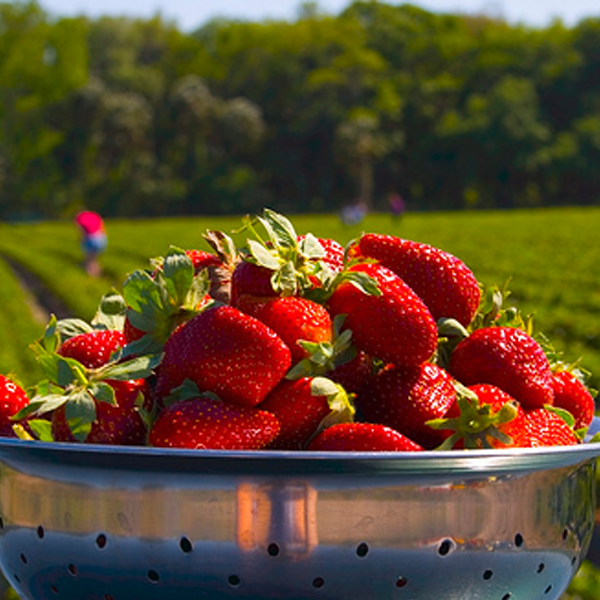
[84, 522]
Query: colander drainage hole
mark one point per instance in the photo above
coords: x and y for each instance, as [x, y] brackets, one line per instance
[153, 576]
[101, 541]
[488, 574]
[519, 541]
[548, 590]
[507, 596]
[23, 559]
[362, 550]
[318, 582]
[446, 547]
[186, 545]
[54, 590]
[273, 550]
[233, 580]
[72, 569]
[401, 582]
[541, 567]
[40, 532]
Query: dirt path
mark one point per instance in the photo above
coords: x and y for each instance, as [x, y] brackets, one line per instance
[41, 302]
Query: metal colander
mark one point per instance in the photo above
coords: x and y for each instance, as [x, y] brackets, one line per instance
[83, 522]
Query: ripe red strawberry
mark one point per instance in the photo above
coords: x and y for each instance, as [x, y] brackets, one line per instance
[491, 418]
[203, 260]
[208, 423]
[302, 405]
[394, 326]
[12, 399]
[249, 279]
[547, 428]
[93, 349]
[508, 358]
[362, 437]
[405, 398]
[572, 395]
[293, 318]
[118, 424]
[443, 281]
[355, 374]
[227, 352]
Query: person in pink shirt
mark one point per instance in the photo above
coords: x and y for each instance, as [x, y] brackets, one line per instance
[93, 239]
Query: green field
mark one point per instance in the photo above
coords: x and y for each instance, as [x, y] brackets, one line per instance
[550, 257]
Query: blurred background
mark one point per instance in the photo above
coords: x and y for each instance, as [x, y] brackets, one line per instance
[301, 107]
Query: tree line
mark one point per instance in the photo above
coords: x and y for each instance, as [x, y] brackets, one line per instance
[136, 117]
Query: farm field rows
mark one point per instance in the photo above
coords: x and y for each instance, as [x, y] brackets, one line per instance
[548, 256]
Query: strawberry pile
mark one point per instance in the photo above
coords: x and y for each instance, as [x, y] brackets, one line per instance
[293, 342]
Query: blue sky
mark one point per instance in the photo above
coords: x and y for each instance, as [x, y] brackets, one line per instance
[189, 14]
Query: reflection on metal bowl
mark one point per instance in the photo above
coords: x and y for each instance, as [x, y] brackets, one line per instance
[92, 522]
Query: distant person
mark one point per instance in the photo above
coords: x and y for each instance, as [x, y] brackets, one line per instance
[353, 214]
[93, 240]
[397, 205]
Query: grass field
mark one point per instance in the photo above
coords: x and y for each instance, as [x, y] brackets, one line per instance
[551, 258]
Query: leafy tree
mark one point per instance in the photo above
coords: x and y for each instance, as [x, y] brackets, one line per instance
[41, 63]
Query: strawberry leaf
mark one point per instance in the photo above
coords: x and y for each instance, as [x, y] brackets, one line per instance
[145, 345]
[178, 272]
[197, 292]
[341, 408]
[564, 414]
[223, 246]
[285, 279]
[262, 256]
[111, 312]
[362, 281]
[311, 248]
[188, 390]
[80, 413]
[40, 405]
[50, 341]
[61, 370]
[103, 392]
[41, 428]
[136, 368]
[140, 290]
[279, 228]
[321, 386]
[68, 328]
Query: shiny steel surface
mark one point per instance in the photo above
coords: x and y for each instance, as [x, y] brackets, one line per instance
[85, 522]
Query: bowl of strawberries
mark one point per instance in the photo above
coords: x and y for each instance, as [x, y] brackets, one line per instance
[289, 418]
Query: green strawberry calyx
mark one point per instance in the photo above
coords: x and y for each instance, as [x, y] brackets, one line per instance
[476, 423]
[293, 262]
[158, 301]
[340, 404]
[324, 357]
